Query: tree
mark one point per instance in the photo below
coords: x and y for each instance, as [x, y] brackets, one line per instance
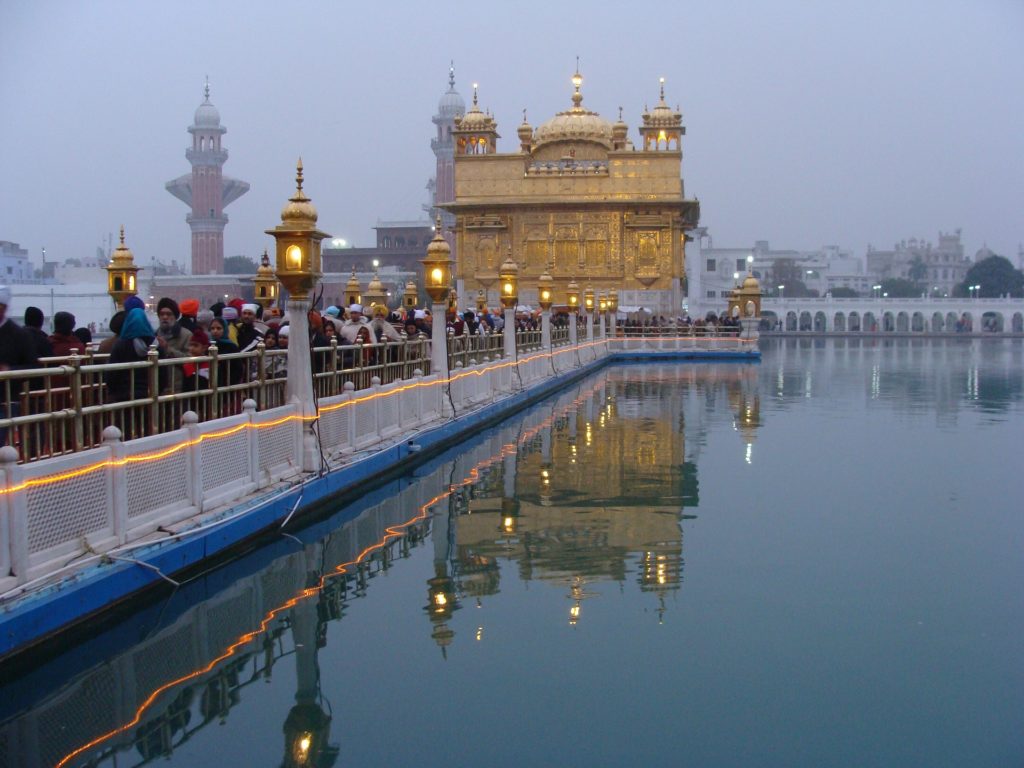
[842, 292]
[996, 276]
[918, 270]
[899, 288]
[239, 265]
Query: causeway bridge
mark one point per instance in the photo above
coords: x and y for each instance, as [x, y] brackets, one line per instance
[889, 315]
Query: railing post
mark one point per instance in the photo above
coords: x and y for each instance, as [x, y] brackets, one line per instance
[261, 376]
[253, 441]
[334, 366]
[76, 400]
[153, 358]
[190, 421]
[439, 348]
[214, 409]
[300, 382]
[13, 508]
[119, 482]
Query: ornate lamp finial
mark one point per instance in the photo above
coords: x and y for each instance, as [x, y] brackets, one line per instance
[298, 176]
[206, 89]
[662, 83]
[451, 75]
[577, 81]
[475, 86]
[122, 234]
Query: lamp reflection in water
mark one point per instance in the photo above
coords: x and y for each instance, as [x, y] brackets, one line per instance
[442, 599]
[577, 593]
[308, 726]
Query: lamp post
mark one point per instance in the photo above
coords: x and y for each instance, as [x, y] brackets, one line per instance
[602, 304]
[876, 289]
[265, 284]
[508, 277]
[353, 291]
[437, 271]
[410, 296]
[782, 288]
[545, 297]
[298, 270]
[613, 308]
[572, 299]
[122, 274]
[588, 307]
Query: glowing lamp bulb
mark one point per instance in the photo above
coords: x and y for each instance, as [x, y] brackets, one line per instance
[545, 295]
[437, 275]
[294, 257]
[440, 600]
[131, 282]
[507, 288]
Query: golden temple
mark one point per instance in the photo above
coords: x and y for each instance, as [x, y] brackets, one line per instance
[577, 199]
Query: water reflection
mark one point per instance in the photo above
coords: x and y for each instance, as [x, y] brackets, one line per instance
[585, 495]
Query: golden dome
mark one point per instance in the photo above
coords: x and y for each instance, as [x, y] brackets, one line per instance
[474, 119]
[751, 285]
[662, 116]
[352, 286]
[122, 255]
[575, 124]
[438, 247]
[619, 128]
[376, 287]
[525, 130]
[299, 209]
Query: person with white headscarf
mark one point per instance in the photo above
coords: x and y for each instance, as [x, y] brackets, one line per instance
[249, 333]
[356, 323]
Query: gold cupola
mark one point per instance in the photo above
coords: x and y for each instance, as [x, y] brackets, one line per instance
[265, 284]
[375, 294]
[410, 296]
[620, 133]
[122, 274]
[525, 132]
[662, 127]
[298, 243]
[353, 290]
[476, 132]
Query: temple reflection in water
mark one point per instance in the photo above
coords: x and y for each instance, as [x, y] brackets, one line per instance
[590, 487]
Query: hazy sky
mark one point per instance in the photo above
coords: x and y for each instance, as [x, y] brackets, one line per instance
[808, 123]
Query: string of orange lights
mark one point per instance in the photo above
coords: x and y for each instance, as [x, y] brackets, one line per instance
[391, 532]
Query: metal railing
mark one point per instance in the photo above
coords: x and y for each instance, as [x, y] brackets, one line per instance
[677, 329]
[468, 348]
[389, 361]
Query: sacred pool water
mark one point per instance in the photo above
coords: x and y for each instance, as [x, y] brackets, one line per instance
[815, 560]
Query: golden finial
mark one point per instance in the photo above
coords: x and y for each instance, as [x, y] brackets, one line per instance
[437, 224]
[206, 89]
[122, 234]
[524, 114]
[620, 114]
[662, 82]
[577, 81]
[451, 75]
[298, 175]
[475, 86]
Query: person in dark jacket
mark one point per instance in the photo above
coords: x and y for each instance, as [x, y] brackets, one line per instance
[132, 346]
[34, 328]
[17, 352]
[63, 340]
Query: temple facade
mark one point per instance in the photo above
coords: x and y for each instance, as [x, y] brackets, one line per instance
[576, 198]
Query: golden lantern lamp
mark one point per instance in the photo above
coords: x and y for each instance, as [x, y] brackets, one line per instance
[602, 302]
[353, 291]
[298, 243]
[613, 300]
[122, 274]
[375, 294]
[481, 302]
[508, 278]
[588, 299]
[545, 291]
[265, 284]
[437, 266]
[410, 296]
[572, 296]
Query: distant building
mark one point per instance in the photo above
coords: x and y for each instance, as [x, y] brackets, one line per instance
[713, 272]
[206, 190]
[944, 265]
[15, 266]
[400, 244]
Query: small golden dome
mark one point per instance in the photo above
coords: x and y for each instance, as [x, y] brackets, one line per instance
[299, 209]
[474, 119]
[662, 116]
[122, 255]
[525, 130]
[352, 286]
[619, 128]
[438, 247]
[264, 269]
[375, 287]
[751, 285]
